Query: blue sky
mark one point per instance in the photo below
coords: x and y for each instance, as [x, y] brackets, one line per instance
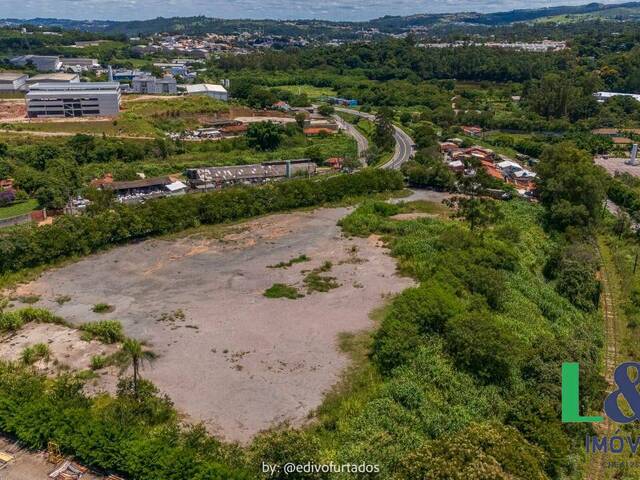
[278, 9]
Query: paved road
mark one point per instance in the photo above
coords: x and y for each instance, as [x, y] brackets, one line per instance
[404, 143]
[361, 140]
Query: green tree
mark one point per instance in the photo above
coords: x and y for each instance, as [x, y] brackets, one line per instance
[478, 211]
[264, 135]
[383, 132]
[571, 187]
[326, 110]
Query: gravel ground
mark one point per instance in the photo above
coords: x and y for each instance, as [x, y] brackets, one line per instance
[238, 361]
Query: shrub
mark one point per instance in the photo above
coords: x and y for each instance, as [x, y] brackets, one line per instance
[32, 354]
[107, 331]
[103, 308]
[280, 290]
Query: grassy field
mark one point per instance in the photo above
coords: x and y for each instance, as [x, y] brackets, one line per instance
[138, 118]
[309, 90]
[18, 209]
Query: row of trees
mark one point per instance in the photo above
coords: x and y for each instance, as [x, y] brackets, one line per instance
[28, 246]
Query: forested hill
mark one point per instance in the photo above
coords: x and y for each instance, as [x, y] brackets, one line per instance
[629, 11]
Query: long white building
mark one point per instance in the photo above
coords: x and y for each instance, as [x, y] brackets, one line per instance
[46, 100]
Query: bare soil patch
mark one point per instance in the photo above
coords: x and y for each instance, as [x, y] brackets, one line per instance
[232, 358]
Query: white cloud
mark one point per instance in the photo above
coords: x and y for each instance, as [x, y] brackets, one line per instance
[279, 9]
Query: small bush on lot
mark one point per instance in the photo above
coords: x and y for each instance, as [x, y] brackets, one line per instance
[32, 354]
[103, 308]
[280, 290]
[107, 331]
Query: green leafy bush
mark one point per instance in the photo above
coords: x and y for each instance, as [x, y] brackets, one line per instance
[107, 331]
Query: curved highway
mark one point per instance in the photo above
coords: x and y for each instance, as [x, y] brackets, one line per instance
[404, 143]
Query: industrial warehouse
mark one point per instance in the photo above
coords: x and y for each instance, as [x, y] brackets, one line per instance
[73, 99]
[215, 177]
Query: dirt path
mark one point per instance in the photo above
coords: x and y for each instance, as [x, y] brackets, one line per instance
[595, 467]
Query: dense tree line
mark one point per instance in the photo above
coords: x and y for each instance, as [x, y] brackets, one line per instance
[28, 246]
[474, 351]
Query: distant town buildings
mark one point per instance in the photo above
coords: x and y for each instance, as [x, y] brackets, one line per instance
[543, 46]
[214, 91]
[47, 100]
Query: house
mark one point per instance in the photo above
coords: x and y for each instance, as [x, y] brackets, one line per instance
[282, 106]
[148, 84]
[318, 131]
[472, 131]
[6, 183]
[214, 91]
[42, 63]
[335, 162]
[46, 100]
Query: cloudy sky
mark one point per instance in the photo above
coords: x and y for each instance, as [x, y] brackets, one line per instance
[279, 9]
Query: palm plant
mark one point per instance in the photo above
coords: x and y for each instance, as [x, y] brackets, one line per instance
[136, 356]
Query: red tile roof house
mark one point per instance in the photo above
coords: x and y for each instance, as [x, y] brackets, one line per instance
[335, 162]
[6, 183]
[317, 131]
[473, 131]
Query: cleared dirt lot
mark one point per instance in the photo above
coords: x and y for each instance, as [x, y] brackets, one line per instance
[238, 361]
[613, 165]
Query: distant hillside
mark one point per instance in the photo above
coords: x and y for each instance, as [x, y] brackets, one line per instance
[629, 11]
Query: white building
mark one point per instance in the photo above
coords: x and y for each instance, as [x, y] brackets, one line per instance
[152, 85]
[81, 64]
[42, 63]
[604, 96]
[46, 100]
[12, 81]
[214, 91]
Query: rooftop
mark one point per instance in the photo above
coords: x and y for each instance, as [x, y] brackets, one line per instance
[59, 76]
[205, 88]
[11, 76]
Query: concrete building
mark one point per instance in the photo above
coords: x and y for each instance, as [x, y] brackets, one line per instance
[151, 85]
[217, 177]
[80, 63]
[214, 91]
[57, 77]
[604, 96]
[46, 100]
[42, 63]
[123, 75]
[12, 81]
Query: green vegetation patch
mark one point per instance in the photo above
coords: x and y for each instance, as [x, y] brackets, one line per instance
[107, 331]
[17, 209]
[102, 308]
[299, 259]
[281, 290]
